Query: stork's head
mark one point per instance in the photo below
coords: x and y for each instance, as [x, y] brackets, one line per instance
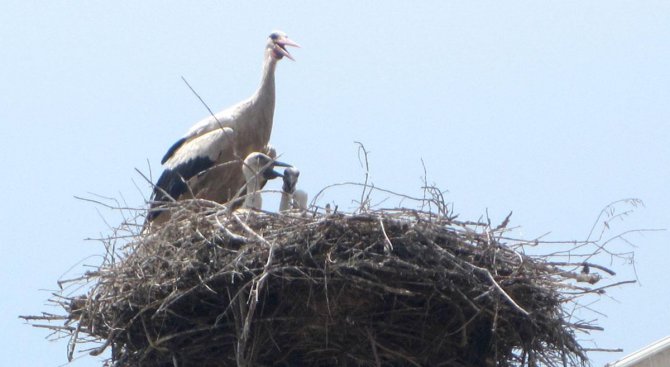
[260, 166]
[277, 43]
[290, 180]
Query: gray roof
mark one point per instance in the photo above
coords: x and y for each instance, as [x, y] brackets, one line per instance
[656, 354]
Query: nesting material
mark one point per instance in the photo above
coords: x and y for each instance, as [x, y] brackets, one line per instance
[383, 288]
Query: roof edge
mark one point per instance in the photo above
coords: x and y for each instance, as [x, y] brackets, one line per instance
[643, 353]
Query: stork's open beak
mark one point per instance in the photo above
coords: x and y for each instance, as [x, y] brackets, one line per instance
[281, 47]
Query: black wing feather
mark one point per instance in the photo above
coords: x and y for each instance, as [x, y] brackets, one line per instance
[173, 181]
[173, 149]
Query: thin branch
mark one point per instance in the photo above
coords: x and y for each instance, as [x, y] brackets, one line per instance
[203, 102]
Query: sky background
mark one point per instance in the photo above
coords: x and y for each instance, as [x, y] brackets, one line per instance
[548, 109]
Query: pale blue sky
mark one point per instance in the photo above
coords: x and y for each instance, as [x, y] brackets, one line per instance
[550, 109]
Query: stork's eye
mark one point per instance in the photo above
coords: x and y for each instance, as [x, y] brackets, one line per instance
[274, 36]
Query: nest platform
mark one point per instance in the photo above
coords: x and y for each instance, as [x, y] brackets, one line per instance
[394, 287]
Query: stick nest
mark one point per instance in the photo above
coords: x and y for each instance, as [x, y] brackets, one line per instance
[382, 288]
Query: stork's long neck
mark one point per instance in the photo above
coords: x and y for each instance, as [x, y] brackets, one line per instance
[255, 133]
[265, 95]
[253, 199]
[285, 202]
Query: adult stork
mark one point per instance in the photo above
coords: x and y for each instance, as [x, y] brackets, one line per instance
[290, 197]
[251, 118]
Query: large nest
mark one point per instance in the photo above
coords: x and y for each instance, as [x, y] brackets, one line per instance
[380, 288]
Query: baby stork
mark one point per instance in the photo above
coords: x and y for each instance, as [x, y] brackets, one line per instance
[290, 197]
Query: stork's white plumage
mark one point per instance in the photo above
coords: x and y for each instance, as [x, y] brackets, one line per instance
[251, 118]
[300, 199]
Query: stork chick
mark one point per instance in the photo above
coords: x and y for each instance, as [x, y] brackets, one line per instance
[290, 197]
[258, 168]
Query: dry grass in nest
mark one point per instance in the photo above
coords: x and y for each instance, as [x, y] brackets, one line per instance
[394, 287]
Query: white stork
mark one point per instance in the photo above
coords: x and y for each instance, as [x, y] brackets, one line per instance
[290, 197]
[251, 118]
[206, 163]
